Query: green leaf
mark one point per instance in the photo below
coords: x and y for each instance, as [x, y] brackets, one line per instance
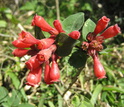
[29, 5]
[3, 23]
[76, 101]
[15, 99]
[64, 44]
[4, 95]
[85, 102]
[89, 26]
[78, 59]
[96, 92]
[26, 105]
[51, 104]
[38, 33]
[73, 22]
[16, 83]
[112, 88]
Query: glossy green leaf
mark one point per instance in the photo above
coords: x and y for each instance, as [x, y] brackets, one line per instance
[95, 94]
[78, 58]
[64, 44]
[89, 26]
[73, 22]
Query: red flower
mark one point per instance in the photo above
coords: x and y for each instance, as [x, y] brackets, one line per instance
[45, 43]
[20, 44]
[34, 77]
[47, 78]
[111, 31]
[33, 63]
[101, 24]
[19, 52]
[26, 37]
[74, 34]
[54, 72]
[40, 22]
[58, 26]
[45, 54]
[98, 68]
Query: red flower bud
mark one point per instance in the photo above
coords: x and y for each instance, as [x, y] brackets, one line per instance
[101, 25]
[98, 68]
[26, 37]
[47, 73]
[74, 34]
[111, 31]
[34, 77]
[58, 26]
[33, 63]
[45, 54]
[20, 44]
[19, 52]
[40, 22]
[45, 43]
[54, 72]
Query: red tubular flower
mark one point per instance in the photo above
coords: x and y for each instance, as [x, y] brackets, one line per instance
[54, 72]
[20, 44]
[74, 34]
[40, 22]
[101, 24]
[58, 26]
[26, 37]
[47, 73]
[19, 52]
[111, 31]
[98, 68]
[33, 63]
[45, 43]
[34, 77]
[45, 54]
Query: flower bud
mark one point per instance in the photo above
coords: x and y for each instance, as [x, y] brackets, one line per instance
[19, 52]
[58, 26]
[54, 72]
[26, 37]
[45, 43]
[40, 22]
[75, 35]
[20, 44]
[34, 77]
[101, 25]
[111, 31]
[33, 63]
[98, 68]
[47, 73]
[45, 54]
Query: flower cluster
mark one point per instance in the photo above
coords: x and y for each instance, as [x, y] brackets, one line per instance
[95, 40]
[42, 52]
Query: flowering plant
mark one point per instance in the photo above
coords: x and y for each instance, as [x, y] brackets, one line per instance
[64, 37]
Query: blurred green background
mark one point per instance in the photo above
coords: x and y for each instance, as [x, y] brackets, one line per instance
[86, 91]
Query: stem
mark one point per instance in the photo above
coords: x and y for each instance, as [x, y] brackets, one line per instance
[74, 80]
[57, 9]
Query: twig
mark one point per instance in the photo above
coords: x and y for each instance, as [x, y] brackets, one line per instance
[57, 9]
[74, 80]
[5, 35]
[58, 89]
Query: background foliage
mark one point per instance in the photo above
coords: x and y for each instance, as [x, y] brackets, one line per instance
[86, 90]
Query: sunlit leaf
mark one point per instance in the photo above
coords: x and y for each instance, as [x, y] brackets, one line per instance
[89, 26]
[73, 22]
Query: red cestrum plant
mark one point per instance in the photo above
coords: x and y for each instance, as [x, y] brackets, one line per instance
[63, 38]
